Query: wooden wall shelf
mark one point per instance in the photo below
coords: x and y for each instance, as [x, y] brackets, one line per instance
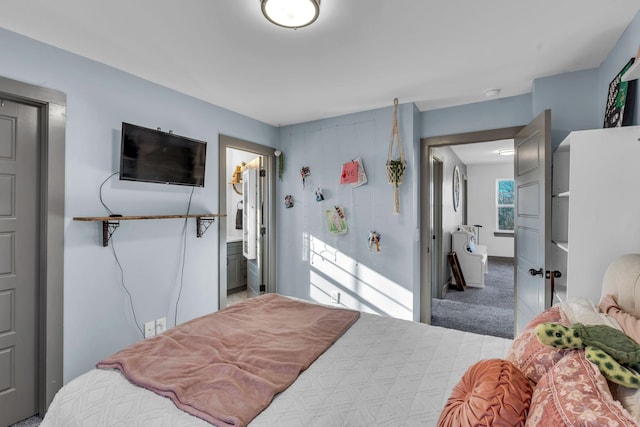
[111, 223]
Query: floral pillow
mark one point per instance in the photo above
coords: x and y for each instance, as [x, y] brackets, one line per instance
[529, 355]
[574, 393]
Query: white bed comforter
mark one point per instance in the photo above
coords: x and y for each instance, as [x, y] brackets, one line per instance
[382, 371]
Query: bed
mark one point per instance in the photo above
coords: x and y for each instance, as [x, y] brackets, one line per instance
[381, 371]
[386, 371]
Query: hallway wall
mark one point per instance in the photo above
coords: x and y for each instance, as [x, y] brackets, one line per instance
[482, 206]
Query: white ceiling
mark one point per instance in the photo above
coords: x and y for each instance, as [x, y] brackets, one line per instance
[483, 153]
[358, 55]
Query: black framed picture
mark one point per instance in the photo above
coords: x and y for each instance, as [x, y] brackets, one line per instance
[620, 100]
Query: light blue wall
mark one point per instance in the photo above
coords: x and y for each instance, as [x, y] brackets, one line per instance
[494, 114]
[97, 319]
[311, 261]
[626, 48]
[572, 99]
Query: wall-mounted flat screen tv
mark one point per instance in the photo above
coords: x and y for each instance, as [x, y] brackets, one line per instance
[151, 155]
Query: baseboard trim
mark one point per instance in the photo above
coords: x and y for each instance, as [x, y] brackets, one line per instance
[501, 258]
[236, 290]
[446, 286]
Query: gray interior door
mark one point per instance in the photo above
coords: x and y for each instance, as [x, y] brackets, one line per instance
[253, 225]
[532, 171]
[19, 207]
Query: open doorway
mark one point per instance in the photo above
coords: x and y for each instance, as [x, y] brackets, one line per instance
[467, 157]
[479, 229]
[247, 237]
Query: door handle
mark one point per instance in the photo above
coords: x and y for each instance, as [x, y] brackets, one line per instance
[535, 272]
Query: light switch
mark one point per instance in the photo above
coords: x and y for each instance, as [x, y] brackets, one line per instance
[161, 325]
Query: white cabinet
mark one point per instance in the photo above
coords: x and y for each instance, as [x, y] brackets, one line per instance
[595, 206]
[236, 268]
[560, 194]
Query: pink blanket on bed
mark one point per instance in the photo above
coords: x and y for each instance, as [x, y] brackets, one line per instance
[226, 367]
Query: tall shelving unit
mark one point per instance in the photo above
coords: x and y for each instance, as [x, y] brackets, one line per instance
[560, 217]
[595, 206]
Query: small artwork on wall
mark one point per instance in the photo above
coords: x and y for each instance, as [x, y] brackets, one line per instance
[349, 174]
[336, 220]
[362, 176]
[620, 100]
[304, 173]
[288, 201]
[353, 173]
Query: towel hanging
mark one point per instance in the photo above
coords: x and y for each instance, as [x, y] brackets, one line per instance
[239, 215]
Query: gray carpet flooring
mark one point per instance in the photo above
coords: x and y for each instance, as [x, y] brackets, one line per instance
[487, 311]
[29, 422]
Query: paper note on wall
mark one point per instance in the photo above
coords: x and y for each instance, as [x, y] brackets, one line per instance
[362, 176]
[349, 173]
[336, 220]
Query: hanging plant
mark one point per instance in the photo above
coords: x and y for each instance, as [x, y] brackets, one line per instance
[280, 155]
[397, 166]
[395, 171]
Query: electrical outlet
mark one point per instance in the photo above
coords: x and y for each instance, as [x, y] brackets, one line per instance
[161, 325]
[335, 297]
[149, 329]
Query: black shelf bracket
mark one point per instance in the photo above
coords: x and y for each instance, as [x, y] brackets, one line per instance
[108, 228]
[202, 224]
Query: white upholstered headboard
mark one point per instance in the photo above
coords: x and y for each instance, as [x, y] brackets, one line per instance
[622, 280]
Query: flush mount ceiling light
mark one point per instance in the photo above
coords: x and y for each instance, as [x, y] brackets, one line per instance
[506, 151]
[291, 13]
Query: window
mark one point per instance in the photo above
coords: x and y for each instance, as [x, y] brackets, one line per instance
[505, 204]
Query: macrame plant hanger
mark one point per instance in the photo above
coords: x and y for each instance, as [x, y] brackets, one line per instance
[395, 167]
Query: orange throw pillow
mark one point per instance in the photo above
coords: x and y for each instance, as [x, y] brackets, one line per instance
[491, 393]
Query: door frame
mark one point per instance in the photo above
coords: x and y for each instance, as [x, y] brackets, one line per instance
[437, 179]
[269, 164]
[51, 106]
[426, 174]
